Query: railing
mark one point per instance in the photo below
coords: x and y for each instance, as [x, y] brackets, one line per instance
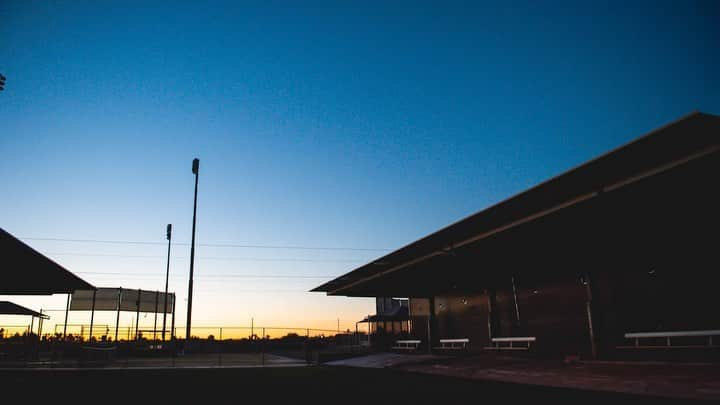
[128, 333]
[456, 344]
[407, 344]
[510, 343]
[668, 338]
[209, 346]
[8, 331]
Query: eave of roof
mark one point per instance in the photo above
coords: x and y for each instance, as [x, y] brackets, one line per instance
[688, 135]
[25, 271]
[10, 308]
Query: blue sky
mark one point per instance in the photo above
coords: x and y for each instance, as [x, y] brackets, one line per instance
[358, 125]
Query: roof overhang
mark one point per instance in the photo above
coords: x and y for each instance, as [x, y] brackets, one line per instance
[10, 308]
[25, 271]
[631, 187]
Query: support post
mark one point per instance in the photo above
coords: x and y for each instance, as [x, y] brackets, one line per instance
[410, 315]
[117, 317]
[515, 299]
[157, 298]
[431, 322]
[172, 326]
[40, 325]
[67, 310]
[492, 301]
[92, 316]
[588, 308]
[369, 324]
[137, 315]
[429, 335]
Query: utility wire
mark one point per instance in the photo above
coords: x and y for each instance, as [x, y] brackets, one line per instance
[205, 275]
[249, 259]
[225, 245]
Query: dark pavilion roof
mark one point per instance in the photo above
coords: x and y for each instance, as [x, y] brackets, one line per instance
[25, 271]
[10, 308]
[693, 138]
[399, 313]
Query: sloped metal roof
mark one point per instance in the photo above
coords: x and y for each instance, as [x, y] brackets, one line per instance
[10, 308]
[690, 137]
[25, 271]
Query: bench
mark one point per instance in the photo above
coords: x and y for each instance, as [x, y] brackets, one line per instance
[667, 338]
[407, 344]
[97, 355]
[511, 343]
[454, 344]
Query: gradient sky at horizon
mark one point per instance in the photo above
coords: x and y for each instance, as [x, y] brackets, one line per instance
[361, 126]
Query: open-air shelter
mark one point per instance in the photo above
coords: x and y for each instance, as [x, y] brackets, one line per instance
[25, 271]
[620, 247]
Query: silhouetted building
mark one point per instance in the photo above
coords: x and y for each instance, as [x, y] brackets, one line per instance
[611, 257]
[391, 316]
[25, 271]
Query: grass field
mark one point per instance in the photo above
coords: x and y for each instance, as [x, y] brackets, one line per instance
[292, 385]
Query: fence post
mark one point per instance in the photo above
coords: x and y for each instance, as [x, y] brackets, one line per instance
[219, 342]
[262, 348]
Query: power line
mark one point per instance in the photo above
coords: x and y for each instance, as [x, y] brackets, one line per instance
[223, 245]
[249, 259]
[205, 275]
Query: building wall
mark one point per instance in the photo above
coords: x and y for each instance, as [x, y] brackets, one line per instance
[632, 298]
[554, 312]
[651, 252]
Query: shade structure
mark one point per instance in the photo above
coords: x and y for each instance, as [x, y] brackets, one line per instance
[124, 299]
[400, 314]
[639, 183]
[10, 308]
[25, 271]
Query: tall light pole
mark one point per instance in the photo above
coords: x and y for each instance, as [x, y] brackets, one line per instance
[195, 170]
[167, 276]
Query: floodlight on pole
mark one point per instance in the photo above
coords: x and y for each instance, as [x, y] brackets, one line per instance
[167, 277]
[195, 170]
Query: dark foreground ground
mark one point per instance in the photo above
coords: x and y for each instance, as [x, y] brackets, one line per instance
[284, 385]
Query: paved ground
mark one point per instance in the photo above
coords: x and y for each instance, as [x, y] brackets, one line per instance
[284, 385]
[189, 361]
[696, 381]
[383, 360]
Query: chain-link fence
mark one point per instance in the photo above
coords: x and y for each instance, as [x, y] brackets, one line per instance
[102, 345]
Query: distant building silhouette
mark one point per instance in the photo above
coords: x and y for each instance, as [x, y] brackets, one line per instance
[606, 259]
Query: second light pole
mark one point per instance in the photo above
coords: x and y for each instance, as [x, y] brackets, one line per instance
[167, 277]
[195, 170]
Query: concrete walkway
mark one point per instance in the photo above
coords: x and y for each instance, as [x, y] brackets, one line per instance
[383, 360]
[196, 360]
[677, 380]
